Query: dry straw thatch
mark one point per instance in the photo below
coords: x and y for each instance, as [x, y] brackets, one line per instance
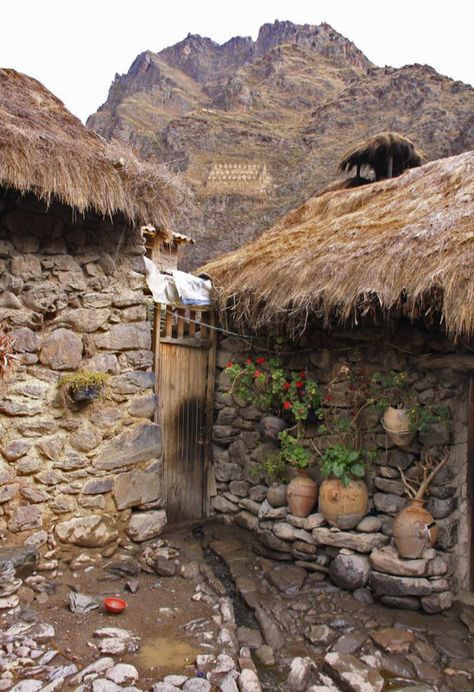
[377, 151]
[404, 245]
[48, 151]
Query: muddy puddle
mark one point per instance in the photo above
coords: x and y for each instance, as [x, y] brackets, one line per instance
[166, 653]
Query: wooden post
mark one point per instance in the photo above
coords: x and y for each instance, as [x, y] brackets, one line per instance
[211, 371]
[156, 351]
[470, 474]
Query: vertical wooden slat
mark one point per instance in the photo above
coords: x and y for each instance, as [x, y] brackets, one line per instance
[192, 323]
[180, 331]
[156, 351]
[169, 322]
[470, 473]
[210, 377]
[204, 322]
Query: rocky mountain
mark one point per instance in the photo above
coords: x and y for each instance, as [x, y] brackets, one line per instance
[258, 126]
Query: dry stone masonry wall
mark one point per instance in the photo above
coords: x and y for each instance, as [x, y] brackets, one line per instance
[363, 560]
[71, 292]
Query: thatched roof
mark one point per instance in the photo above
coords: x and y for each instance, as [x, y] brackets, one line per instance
[376, 152]
[404, 244]
[48, 151]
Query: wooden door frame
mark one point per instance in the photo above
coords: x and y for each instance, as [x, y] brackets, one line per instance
[470, 473]
[182, 332]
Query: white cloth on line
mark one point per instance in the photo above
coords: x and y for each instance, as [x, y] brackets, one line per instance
[179, 289]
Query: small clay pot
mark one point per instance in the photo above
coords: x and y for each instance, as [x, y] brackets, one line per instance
[343, 506]
[302, 494]
[414, 530]
[276, 495]
[85, 394]
[396, 423]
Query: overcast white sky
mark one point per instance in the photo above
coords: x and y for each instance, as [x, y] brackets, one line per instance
[75, 47]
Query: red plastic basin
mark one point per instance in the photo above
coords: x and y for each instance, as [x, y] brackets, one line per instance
[114, 604]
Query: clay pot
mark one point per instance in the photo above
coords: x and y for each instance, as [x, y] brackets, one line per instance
[414, 530]
[276, 495]
[343, 506]
[302, 494]
[396, 423]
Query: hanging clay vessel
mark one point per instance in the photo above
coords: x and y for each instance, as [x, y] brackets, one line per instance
[414, 530]
[302, 494]
[343, 506]
[396, 423]
[276, 495]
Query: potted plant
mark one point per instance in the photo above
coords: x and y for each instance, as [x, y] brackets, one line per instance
[343, 498]
[414, 529]
[275, 469]
[302, 490]
[83, 386]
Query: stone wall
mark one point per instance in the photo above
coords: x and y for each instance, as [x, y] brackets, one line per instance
[71, 291]
[358, 559]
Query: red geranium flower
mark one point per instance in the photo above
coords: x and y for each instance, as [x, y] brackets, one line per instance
[249, 361]
[299, 384]
[260, 361]
[229, 364]
[302, 374]
[257, 373]
[286, 386]
[287, 405]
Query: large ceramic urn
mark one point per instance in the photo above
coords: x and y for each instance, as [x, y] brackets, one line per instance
[302, 494]
[343, 506]
[396, 423]
[414, 530]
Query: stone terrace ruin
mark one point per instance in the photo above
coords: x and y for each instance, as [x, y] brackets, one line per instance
[238, 178]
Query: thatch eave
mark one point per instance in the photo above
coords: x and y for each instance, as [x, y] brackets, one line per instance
[46, 150]
[400, 246]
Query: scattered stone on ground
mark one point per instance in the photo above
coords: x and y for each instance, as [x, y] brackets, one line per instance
[245, 622]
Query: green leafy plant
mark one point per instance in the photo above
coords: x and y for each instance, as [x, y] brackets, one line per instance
[271, 387]
[275, 468]
[81, 386]
[291, 452]
[392, 389]
[343, 461]
[83, 379]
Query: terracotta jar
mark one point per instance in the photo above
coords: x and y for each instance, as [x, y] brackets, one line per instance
[343, 506]
[396, 423]
[414, 530]
[302, 494]
[276, 495]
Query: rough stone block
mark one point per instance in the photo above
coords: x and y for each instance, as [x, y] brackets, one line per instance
[62, 350]
[25, 518]
[387, 560]
[122, 337]
[361, 542]
[145, 525]
[350, 571]
[389, 585]
[136, 488]
[139, 444]
[93, 531]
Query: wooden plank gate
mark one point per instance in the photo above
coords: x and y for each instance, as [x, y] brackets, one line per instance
[185, 359]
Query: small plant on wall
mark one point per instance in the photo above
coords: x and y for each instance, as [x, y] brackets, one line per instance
[82, 387]
[7, 353]
[403, 415]
[271, 387]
